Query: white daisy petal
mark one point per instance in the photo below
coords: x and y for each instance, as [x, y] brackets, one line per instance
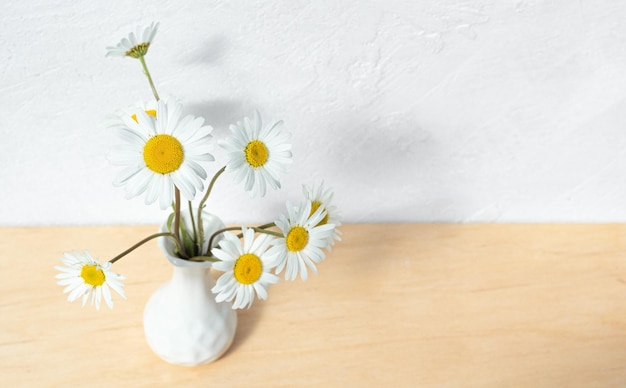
[124, 175]
[182, 125]
[240, 298]
[269, 278]
[260, 291]
[140, 183]
[197, 169]
[106, 294]
[220, 297]
[132, 38]
[186, 187]
[303, 271]
[166, 192]
[152, 192]
[116, 285]
[130, 136]
[86, 295]
[76, 292]
[97, 295]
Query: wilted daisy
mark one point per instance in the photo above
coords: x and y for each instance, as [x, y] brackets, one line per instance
[83, 276]
[321, 199]
[257, 155]
[246, 268]
[162, 153]
[303, 241]
[137, 43]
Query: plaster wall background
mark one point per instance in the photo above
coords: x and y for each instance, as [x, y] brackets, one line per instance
[413, 111]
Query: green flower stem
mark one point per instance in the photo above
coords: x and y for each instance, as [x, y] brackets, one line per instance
[201, 206]
[204, 258]
[264, 226]
[181, 248]
[208, 191]
[219, 232]
[140, 243]
[147, 73]
[193, 226]
[256, 229]
[270, 232]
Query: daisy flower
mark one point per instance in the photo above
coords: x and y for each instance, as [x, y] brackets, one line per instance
[136, 45]
[257, 155]
[321, 198]
[162, 153]
[303, 241]
[246, 268]
[83, 275]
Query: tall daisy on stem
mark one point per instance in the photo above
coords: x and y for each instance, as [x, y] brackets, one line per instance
[136, 46]
[162, 155]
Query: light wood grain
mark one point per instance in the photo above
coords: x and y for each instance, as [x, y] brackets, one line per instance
[403, 305]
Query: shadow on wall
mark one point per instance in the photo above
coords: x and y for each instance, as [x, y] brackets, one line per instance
[211, 50]
[218, 113]
[383, 149]
[387, 155]
[390, 161]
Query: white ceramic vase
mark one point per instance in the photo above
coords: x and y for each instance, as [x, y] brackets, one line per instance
[183, 323]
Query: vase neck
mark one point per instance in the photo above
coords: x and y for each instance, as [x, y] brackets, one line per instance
[192, 276]
[210, 225]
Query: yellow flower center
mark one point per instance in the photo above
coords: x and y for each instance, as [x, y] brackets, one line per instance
[248, 268]
[297, 238]
[314, 206]
[92, 275]
[149, 112]
[138, 51]
[256, 153]
[163, 154]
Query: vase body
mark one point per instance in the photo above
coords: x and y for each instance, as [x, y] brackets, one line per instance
[183, 323]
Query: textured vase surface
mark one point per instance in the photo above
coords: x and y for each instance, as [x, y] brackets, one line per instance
[183, 323]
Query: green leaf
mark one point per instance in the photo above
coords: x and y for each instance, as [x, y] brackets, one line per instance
[188, 241]
[170, 220]
[205, 258]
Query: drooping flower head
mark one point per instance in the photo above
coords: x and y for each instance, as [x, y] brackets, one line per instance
[322, 199]
[137, 43]
[161, 153]
[303, 241]
[257, 155]
[83, 276]
[246, 268]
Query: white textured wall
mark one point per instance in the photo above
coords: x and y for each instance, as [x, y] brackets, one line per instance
[412, 110]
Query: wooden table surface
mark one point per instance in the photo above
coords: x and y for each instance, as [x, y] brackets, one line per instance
[404, 305]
